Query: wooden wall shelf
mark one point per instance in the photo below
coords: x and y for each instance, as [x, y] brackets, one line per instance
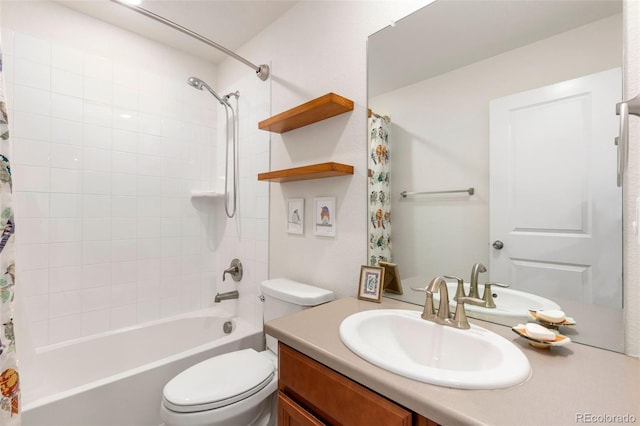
[314, 171]
[310, 112]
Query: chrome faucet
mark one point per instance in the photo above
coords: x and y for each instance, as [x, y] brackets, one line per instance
[226, 296]
[475, 271]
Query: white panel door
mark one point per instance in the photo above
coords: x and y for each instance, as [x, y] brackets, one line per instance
[554, 201]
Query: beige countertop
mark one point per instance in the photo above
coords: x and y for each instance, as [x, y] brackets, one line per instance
[569, 385]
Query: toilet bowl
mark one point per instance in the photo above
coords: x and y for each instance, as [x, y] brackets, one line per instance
[238, 388]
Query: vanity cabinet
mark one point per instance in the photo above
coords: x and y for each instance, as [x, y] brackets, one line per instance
[310, 393]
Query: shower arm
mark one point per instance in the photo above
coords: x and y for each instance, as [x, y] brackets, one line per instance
[262, 71]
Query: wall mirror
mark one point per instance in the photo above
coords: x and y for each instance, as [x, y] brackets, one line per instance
[511, 105]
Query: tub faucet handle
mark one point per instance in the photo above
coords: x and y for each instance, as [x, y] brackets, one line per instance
[235, 270]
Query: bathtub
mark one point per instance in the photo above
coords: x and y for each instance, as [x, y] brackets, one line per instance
[116, 378]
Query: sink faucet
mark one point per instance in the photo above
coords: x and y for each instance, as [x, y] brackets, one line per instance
[226, 296]
[443, 317]
[475, 271]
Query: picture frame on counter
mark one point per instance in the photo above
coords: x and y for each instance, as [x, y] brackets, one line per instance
[371, 283]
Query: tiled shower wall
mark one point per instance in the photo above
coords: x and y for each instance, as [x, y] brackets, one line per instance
[105, 156]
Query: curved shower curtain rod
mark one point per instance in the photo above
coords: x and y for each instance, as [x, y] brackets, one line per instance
[262, 71]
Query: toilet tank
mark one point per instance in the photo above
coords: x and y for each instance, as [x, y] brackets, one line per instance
[283, 297]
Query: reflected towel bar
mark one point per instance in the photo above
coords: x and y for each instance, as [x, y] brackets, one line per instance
[469, 191]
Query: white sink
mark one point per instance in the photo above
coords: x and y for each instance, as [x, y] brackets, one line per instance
[512, 306]
[403, 343]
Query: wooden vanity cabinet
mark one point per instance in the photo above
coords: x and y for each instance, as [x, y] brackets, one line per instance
[311, 394]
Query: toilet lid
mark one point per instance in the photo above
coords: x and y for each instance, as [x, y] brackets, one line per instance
[218, 381]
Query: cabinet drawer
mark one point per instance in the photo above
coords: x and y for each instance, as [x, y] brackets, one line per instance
[291, 414]
[332, 397]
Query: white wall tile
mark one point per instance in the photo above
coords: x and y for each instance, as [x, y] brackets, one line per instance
[124, 228]
[125, 119]
[96, 229]
[124, 162]
[30, 152]
[96, 205]
[98, 90]
[66, 131]
[34, 231]
[149, 248]
[31, 204]
[30, 178]
[171, 227]
[124, 272]
[96, 275]
[150, 145]
[125, 140]
[32, 74]
[33, 48]
[150, 103]
[96, 252]
[66, 156]
[149, 186]
[95, 113]
[98, 67]
[124, 184]
[67, 58]
[67, 181]
[122, 294]
[37, 307]
[149, 165]
[31, 126]
[125, 97]
[65, 254]
[66, 83]
[96, 182]
[171, 245]
[34, 282]
[65, 279]
[148, 227]
[122, 207]
[64, 328]
[124, 250]
[96, 159]
[66, 107]
[150, 124]
[31, 100]
[123, 316]
[66, 205]
[98, 136]
[95, 322]
[65, 230]
[148, 311]
[149, 82]
[125, 75]
[65, 303]
[95, 298]
[149, 206]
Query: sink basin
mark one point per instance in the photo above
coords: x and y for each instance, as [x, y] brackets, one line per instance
[403, 343]
[512, 306]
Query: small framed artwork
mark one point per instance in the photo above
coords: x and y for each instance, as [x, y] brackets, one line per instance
[392, 283]
[295, 216]
[371, 283]
[324, 220]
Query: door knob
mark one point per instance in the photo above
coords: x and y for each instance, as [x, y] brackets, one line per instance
[497, 244]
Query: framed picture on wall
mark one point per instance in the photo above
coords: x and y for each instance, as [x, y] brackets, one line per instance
[295, 216]
[324, 216]
[371, 283]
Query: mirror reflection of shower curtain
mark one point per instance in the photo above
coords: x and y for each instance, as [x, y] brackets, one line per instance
[9, 378]
[378, 190]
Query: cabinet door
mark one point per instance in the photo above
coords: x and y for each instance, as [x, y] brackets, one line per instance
[291, 414]
[332, 396]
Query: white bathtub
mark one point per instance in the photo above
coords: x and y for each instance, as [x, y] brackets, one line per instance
[116, 378]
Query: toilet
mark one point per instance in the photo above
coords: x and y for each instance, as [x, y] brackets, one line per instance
[238, 388]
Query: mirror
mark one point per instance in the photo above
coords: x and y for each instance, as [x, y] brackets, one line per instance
[517, 101]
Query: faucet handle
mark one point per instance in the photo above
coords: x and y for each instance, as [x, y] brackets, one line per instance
[487, 296]
[429, 312]
[460, 288]
[460, 317]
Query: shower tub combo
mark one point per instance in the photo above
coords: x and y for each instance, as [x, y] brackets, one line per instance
[117, 377]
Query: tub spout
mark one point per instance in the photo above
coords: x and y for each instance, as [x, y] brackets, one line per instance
[226, 296]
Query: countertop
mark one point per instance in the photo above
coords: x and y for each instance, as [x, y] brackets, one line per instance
[569, 385]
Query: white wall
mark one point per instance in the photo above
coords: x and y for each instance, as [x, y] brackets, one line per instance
[316, 48]
[440, 133]
[632, 182]
[107, 236]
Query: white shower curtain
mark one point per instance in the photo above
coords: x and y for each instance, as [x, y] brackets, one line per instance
[9, 378]
[379, 193]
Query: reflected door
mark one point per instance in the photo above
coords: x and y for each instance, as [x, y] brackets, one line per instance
[556, 212]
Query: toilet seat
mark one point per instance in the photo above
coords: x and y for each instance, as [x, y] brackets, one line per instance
[218, 382]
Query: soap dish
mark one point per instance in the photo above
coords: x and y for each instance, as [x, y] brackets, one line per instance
[568, 321]
[543, 344]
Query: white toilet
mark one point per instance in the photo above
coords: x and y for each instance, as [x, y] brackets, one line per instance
[238, 388]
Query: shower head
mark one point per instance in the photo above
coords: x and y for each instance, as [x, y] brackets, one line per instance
[199, 84]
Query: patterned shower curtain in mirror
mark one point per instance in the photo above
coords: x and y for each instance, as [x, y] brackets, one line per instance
[379, 194]
[9, 379]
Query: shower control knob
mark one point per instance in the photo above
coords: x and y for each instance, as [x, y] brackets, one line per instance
[497, 244]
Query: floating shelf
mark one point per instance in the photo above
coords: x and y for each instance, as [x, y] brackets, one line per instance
[311, 112]
[314, 171]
